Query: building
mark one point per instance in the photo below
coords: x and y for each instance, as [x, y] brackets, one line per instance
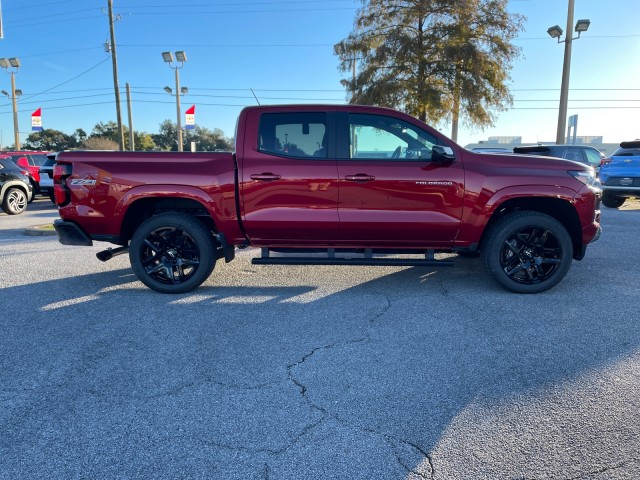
[510, 142]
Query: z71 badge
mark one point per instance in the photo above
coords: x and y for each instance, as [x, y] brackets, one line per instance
[83, 182]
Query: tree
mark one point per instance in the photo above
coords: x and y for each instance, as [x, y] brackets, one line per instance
[433, 58]
[50, 140]
[106, 130]
[142, 141]
[166, 138]
[100, 143]
[205, 139]
[209, 140]
[109, 131]
[80, 135]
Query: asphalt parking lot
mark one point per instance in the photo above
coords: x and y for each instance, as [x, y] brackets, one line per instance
[270, 372]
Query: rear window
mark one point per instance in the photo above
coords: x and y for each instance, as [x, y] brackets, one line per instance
[49, 162]
[9, 166]
[294, 134]
[626, 152]
[537, 150]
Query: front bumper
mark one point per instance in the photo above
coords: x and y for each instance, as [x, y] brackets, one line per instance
[71, 234]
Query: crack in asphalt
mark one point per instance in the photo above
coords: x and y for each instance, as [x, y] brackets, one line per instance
[605, 469]
[390, 440]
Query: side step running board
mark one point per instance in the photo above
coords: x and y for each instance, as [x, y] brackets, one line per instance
[366, 258]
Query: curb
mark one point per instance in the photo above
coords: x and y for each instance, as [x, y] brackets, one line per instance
[40, 230]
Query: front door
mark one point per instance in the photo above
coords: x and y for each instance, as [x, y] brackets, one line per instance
[391, 192]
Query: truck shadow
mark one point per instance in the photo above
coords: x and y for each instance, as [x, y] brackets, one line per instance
[398, 357]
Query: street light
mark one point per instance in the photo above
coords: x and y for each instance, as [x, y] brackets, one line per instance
[556, 32]
[11, 65]
[181, 57]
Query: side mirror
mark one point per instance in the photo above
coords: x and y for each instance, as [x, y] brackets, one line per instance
[442, 154]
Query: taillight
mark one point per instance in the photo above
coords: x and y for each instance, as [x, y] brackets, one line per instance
[60, 191]
[605, 161]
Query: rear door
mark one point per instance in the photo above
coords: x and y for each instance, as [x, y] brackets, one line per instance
[391, 191]
[289, 179]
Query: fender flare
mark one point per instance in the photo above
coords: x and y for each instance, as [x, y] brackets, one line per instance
[161, 191]
[482, 210]
[224, 218]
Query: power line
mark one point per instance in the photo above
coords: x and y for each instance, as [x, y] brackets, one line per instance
[67, 81]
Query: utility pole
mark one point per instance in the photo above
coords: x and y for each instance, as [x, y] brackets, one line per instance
[114, 60]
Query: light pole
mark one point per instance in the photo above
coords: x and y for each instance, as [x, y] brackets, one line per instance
[556, 32]
[182, 58]
[14, 65]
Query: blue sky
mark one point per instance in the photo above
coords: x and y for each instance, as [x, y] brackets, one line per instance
[283, 51]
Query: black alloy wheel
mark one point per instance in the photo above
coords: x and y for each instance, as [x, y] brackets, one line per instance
[172, 253]
[528, 252]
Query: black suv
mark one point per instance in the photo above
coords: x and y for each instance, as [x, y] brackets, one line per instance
[15, 189]
[578, 153]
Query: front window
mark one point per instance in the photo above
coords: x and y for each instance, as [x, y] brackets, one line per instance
[387, 138]
[294, 134]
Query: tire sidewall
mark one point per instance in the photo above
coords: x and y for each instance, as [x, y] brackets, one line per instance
[200, 234]
[504, 228]
[612, 201]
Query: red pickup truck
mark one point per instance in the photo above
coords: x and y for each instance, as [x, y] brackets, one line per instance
[362, 185]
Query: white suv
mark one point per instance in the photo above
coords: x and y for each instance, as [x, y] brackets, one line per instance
[46, 176]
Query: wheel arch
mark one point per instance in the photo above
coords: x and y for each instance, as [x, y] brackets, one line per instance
[558, 208]
[143, 208]
[13, 184]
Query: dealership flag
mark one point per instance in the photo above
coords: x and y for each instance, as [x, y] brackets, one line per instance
[190, 118]
[36, 120]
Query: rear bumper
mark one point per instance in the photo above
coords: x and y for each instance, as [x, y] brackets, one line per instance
[71, 234]
[622, 191]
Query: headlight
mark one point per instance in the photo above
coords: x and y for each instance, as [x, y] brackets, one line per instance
[588, 177]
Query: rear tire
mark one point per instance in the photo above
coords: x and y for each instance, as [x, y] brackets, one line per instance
[172, 252]
[527, 252]
[611, 201]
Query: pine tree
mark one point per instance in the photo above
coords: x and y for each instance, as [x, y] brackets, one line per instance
[433, 59]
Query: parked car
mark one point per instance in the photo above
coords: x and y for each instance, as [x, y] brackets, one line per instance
[620, 174]
[15, 189]
[46, 176]
[31, 162]
[578, 153]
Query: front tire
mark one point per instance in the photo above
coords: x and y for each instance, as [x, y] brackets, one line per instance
[172, 252]
[611, 201]
[527, 252]
[15, 201]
